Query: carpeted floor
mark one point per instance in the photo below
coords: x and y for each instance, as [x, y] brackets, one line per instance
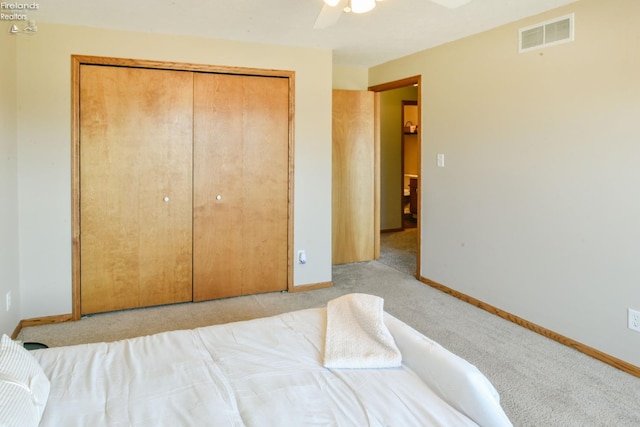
[398, 250]
[541, 382]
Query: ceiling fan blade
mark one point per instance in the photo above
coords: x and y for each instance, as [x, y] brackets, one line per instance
[329, 15]
[451, 4]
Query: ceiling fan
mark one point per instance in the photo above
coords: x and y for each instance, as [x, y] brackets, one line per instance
[333, 9]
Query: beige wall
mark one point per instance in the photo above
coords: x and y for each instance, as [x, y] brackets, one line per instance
[536, 211]
[350, 78]
[44, 125]
[9, 247]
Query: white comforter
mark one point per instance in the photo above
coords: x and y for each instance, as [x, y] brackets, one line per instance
[263, 372]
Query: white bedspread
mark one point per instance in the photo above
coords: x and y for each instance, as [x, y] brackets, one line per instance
[263, 372]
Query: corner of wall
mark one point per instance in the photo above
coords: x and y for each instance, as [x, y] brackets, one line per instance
[350, 78]
[9, 238]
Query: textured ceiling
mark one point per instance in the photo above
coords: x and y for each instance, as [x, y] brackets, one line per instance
[395, 28]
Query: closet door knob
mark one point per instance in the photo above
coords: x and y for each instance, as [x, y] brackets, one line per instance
[218, 197]
[166, 199]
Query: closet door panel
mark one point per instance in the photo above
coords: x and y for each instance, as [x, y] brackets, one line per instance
[217, 181]
[240, 185]
[266, 171]
[136, 186]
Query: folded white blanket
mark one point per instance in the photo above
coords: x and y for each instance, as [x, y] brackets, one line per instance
[356, 335]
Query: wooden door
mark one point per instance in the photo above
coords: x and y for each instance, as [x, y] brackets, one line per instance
[353, 172]
[135, 187]
[241, 169]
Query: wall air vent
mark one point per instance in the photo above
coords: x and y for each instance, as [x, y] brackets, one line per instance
[549, 33]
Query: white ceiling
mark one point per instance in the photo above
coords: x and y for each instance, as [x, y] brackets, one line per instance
[395, 28]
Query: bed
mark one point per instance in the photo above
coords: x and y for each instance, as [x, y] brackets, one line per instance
[347, 364]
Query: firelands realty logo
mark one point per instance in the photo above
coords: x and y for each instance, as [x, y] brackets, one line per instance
[19, 12]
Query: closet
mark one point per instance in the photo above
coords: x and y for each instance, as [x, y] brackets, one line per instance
[181, 183]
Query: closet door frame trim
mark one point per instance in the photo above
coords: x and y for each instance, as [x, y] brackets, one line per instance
[76, 62]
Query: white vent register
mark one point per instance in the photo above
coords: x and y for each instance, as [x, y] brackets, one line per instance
[549, 33]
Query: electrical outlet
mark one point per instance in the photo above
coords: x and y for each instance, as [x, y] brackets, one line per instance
[8, 300]
[302, 257]
[634, 320]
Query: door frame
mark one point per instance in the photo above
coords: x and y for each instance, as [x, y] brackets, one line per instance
[397, 84]
[76, 62]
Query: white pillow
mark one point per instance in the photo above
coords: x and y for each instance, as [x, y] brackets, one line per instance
[24, 387]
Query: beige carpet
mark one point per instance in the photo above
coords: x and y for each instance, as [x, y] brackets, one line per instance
[398, 250]
[541, 382]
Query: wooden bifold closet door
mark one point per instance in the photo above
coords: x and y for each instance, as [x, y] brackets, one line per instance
[135, 187]
[240, 185]
[183, 186]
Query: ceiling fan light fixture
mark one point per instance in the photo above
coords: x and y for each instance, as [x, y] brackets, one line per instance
[362, 6]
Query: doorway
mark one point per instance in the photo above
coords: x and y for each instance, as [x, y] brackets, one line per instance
[399, 245]
[410, 164]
